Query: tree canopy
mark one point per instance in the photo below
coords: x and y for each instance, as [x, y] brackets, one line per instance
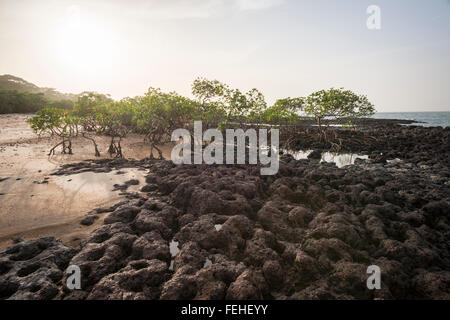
[21, 102]
[337, 103]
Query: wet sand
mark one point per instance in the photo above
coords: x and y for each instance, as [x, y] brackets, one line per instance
[33, 203]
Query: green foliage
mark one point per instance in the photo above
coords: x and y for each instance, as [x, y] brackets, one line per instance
[12, 83]
[337, 103]
[21, 102]
[87, 101]
[53, 121]
[114, 119]
[207, 91]
[277, 114]
[348, 125]
[220, 101]
[157, 113]
[62, 104]
[284, 111]
[242, 105]
[290, 105]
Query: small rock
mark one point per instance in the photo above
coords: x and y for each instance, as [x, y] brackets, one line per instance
[17, 240]
[89, 220]
[316, 154]
[132, 182]
[149, 188]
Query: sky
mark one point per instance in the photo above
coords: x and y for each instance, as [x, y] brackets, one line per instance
[284, 48]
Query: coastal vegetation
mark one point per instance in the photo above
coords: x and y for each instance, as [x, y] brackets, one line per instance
[337, 104]
[156, 114]
[27, 102]
[56, 122]
[20, 96]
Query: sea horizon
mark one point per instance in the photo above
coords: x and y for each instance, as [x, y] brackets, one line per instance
[423, 118]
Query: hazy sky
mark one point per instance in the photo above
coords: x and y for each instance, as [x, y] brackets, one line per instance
[283, 48]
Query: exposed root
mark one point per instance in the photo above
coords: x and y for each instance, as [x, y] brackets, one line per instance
[115, 149]
[97, 153]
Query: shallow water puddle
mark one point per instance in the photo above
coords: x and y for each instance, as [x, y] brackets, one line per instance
[40, 200]
[99, 182]
[341, 159]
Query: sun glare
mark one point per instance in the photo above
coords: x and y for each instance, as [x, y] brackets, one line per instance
[84, 45]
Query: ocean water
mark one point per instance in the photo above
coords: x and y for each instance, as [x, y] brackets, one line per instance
[428, 119]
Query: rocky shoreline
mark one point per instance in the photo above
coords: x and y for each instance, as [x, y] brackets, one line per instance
[383, 140]
[310, 232]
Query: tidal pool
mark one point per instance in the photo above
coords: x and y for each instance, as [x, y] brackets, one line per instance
[341, 159]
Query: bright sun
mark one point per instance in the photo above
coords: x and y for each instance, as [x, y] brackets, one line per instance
[84, 46]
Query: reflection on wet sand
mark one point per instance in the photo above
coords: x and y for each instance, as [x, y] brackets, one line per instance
[33, 203]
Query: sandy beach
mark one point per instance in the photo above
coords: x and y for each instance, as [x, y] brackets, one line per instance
[34, 204]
